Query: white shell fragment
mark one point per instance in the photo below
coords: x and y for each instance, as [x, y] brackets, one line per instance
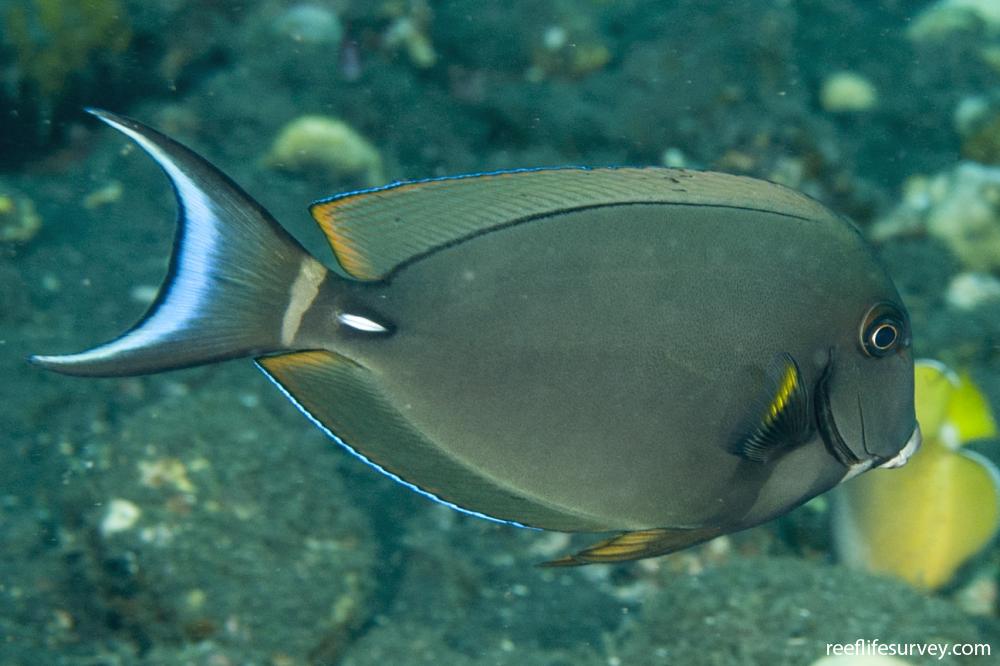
[120, 515]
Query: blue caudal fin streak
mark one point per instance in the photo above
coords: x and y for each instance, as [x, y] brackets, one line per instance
[230, 276]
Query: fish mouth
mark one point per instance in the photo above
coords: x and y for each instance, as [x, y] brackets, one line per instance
[912, 446]
[827, 425]
[834, 441]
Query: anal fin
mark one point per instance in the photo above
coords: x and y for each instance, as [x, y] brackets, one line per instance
[347, 401]
[637, 545]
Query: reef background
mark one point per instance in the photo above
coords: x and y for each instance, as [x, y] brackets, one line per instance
[257, 541]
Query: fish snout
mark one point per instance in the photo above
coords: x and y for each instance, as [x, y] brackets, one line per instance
[911, 447]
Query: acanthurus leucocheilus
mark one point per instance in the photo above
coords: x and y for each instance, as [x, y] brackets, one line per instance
[665, 354]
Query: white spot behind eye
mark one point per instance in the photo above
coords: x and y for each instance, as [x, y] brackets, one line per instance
[359, 323]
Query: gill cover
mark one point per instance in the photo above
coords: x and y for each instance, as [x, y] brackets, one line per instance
[865, 408]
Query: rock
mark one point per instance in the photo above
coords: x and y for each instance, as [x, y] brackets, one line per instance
[946, 17]
[977, 120]
[309, 23]
[785, 611]
[846, 92]
[327, 144]
[968, 291]
[205, 526]
[121, 515]
[960, 206]
[105, 195]
[19, 221]
[860, 660]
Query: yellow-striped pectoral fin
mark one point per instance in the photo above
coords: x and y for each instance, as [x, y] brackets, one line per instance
[790, 382]
[779, 420]
[637, 545]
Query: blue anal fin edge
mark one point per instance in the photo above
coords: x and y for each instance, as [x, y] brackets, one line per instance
[357, 454]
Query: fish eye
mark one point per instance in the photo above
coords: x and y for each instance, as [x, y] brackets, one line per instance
[883, 330]
[884, 336]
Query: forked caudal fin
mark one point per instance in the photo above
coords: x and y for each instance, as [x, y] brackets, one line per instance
[233, 277]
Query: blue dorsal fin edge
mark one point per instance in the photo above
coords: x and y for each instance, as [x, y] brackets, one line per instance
[465, 176]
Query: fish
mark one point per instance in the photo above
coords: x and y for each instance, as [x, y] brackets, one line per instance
[658, 355]
[951, 494]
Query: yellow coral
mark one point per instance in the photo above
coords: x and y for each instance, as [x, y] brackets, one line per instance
[921, 522]
[19, 221]
[847, 92]
[409, 30]
[108, 193]
[563, 53]
[328, 144]
[165, 472]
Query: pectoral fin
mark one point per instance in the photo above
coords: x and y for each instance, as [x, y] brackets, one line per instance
[780, 419]
[637, 545]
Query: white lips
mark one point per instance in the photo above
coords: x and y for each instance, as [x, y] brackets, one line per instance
[904, 454]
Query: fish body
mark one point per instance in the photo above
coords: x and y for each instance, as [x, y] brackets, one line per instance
[665, 353]
[545, 352]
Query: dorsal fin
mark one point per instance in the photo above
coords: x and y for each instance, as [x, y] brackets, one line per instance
[373, 231]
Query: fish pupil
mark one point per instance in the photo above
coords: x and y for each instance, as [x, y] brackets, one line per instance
[884, 336]
[883, 330]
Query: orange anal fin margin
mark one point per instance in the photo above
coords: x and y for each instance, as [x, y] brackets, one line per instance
[637, 545]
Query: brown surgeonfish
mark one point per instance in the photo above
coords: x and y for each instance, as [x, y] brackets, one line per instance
[664, 354]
